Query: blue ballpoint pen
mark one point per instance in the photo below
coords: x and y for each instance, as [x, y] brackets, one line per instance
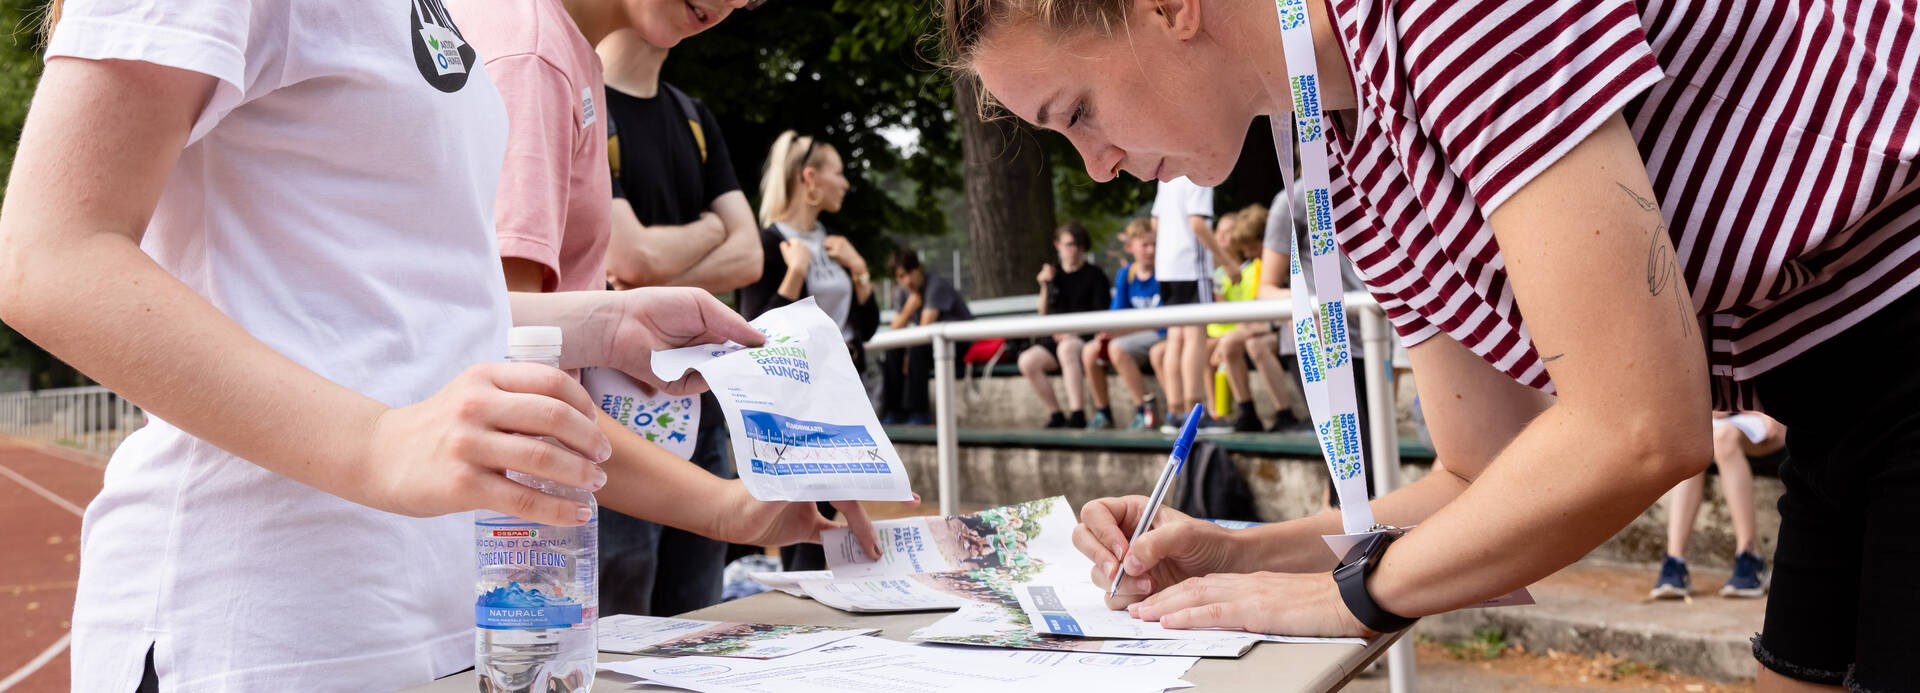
[1175, 460]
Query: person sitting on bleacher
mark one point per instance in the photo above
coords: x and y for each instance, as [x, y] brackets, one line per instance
[1241, 236]
[1735, 439]
[924, 298]
[1126, 350]
[1075, 286]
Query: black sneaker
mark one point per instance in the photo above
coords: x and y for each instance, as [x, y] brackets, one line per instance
[1246, 420]
[1077, 420]
[1056, 420]
[1286, 422]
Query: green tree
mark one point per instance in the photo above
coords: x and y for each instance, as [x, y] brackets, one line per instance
[850, 70]
[19, 73]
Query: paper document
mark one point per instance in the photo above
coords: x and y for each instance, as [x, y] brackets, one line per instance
[904, 593]
[1080, 610]
[797, 412]
[1010, 536]
[789, 581]
[867, 664]
[943, 563]
[995, 625]
[679, 637]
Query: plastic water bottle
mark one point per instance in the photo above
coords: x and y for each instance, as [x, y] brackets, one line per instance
[538, 591]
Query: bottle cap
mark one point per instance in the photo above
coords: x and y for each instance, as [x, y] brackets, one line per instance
[533, 336]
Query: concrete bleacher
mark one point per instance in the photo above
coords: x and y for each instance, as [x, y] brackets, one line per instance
[1006, 456]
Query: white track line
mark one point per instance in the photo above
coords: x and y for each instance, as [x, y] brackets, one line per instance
[44, 493]
[58, 645]
[40, 661]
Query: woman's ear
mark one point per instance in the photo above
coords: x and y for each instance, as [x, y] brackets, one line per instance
[1181, 18]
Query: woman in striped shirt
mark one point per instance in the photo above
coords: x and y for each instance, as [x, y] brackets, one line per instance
[1691, 204]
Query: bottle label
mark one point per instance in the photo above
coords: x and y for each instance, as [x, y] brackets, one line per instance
[534, 576]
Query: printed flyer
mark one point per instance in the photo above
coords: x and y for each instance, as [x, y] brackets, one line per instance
[786, 402]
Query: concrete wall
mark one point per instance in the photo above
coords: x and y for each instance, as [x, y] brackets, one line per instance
[1286, 488]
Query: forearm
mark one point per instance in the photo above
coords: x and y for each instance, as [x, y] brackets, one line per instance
[1565, 485]
[646, 481]
[731, 265]
[654, 255]
[585, 318]
[106, 308]
[793, 283]
[1295, 546]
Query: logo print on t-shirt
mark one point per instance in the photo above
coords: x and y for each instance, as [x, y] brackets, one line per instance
[439, 50]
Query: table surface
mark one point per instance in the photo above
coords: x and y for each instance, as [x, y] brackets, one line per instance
[1267, 667]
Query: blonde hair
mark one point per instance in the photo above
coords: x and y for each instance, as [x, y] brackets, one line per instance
[966, 24]
[1249, 225]
[784, 166]
[1137, 230]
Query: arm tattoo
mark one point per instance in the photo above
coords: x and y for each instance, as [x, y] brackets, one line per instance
[1663, 266]
[1553, 358]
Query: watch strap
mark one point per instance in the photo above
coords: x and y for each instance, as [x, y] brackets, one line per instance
[1352, 580]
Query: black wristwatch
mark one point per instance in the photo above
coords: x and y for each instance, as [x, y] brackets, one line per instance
[1352, 578]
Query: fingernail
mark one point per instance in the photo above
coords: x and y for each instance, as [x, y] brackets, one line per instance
[1106, 569]
[606, 451]
[1133, 565]
[583, 513]
[1119, 549]
[1142, 585]
[599, 479]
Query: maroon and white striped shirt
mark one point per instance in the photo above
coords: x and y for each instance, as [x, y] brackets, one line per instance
[1779, 136]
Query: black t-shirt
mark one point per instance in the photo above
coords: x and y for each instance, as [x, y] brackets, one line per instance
[656, 160]
[657, 168]
[1079, 291]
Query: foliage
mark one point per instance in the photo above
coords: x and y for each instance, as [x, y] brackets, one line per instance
[19, 72]
[847, 70]
[1487, 643]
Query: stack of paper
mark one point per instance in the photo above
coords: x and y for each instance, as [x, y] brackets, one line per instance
[935, 563]
[675, 637]
[864, 664]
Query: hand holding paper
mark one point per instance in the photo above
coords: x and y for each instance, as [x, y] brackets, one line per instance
[785, 402]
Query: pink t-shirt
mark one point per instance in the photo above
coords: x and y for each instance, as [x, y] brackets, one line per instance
[555, 196]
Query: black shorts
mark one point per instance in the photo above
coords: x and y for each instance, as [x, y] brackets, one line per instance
[1185, 293]
[1842, 609]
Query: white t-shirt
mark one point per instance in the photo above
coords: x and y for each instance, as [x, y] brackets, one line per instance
[1177, 255]
[335, 198]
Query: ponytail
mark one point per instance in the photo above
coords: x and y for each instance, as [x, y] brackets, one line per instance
[773, 181]
[792, 153]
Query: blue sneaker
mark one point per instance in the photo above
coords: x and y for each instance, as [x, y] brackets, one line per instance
[1746, 582]
[1100, 420]
[919, 420]
[1174, 423]
[1674, 580]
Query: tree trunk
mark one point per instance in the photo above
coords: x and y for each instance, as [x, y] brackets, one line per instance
[1009, 198]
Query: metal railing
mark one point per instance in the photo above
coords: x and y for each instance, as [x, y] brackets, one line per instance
[1375, 338]
[87, 418]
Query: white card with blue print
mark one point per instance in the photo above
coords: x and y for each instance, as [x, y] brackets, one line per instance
[802, 426]
[671, 422]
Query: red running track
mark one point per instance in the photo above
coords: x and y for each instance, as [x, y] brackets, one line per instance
[42, 490]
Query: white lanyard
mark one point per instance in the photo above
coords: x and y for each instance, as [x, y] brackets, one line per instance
[1319, 305]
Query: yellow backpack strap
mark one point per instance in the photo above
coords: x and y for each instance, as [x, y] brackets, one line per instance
[693, 118]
